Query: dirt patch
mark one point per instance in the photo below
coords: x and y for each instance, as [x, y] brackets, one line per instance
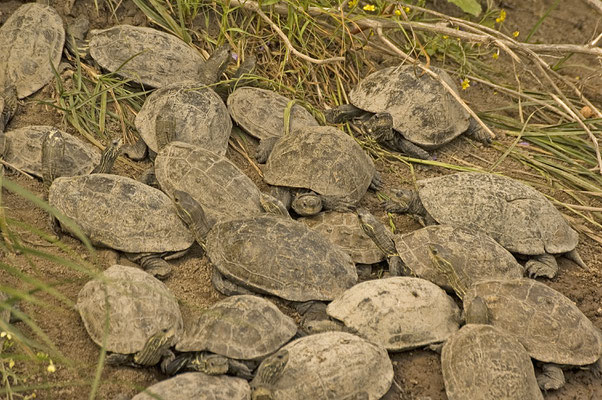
[417, 373]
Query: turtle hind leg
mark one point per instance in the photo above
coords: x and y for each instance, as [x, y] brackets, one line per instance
[551, 377]
[542, 265]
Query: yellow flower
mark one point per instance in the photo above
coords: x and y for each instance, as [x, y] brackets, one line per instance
[6, 335]
[465, 84]
[445, 37]
[496, 55]
[51, 368]
[406, 9]
[502, 16]
[11, 363]
[352, 3]
[369, 7]
[515, 33]
[398, 12]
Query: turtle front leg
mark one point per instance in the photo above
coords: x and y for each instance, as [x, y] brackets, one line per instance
[543, 265]
[551, 377]
[406, 147]
[476, 132]
[151, 263]
[342, 113]
[265, 148]
[226, 287]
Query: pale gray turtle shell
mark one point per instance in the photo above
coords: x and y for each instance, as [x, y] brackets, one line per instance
[198, 386]
[473, 255]
[24, 151]
[280, 256]
[138, 306]
[545, 322]
[199, 115]
[323, 159]
[260, 112]
[334, 365]
[121, 213]
[215, 182]
[240, 327]
[422, 109]
[31, 44]
[345, 230]
[515, 215]
[155, 58]
[399, 313]
[480, 362]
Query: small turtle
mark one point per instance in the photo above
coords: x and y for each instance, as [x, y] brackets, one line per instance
[195, 386]
[413, 111]
[123, 214]
[325, 168]
[31, 45]
[480, 362]
[399, 313]
[131, 314]
[549, 325]
[469, 255]
[244, 329]
[515, 215]
[260, 112]
[222, 189]
[186, 112]
[332, 365]
[25, 148]
[153, 58]
[345, 230]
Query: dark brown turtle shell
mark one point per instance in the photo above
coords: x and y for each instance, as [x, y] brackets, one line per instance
[423, 111]
[280, 256]
[31, 45]
[480, 362]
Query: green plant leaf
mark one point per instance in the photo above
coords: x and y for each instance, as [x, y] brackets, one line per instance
[468, 6]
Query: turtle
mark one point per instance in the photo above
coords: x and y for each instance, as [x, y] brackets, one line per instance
[187, 112]
[196, 385]
[25, 148]
[413, 111]
[324, 167]
[153, 58]
[397, 313]
[451, 257]
[330, 365]
[31, 45]
[548, 324]
[515, 215]
[345, 230]
[260, 112]
[481, 362]
[132, 315]
[215, 182]
[241, 329]
[123, 214]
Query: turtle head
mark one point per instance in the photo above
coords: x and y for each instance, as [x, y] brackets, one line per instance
[307, 204]
[108, 157]
[404, 201]
[210, 364]
[191, 212]
[476, 312]
[212, 69]
[272, 205]
[377, 231]
[270, 370]
[155, 347]
[380, 126]
[53, 150]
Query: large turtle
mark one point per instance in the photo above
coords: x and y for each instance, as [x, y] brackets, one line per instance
[24, 148]
[345, 230]
[323, 166]
[187, 112]
[131, 314]
[549, 325]
[153, 58]
[195, 386]
[260, 112]
[31, 45]
[451, 257]
[481, 362]
[332, 365]
[215, 182]
[123, 214]
[413, 110]
[399, 313]
[515, 215]
[243, 330]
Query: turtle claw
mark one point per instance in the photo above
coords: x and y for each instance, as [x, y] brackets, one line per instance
[551, 377]
[542, 266]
